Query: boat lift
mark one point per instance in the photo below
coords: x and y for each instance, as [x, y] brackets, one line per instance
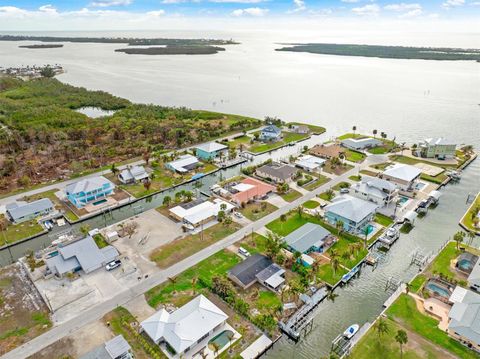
[419, 259]
[392, 284]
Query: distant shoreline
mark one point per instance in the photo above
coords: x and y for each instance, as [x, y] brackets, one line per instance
[173, 50]
[49, 46]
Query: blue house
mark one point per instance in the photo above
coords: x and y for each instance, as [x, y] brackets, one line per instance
[210, 150]
[355, 213]
[270, 133]
[89, 190]
[309, 238]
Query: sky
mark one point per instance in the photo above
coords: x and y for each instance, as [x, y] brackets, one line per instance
[28, 15]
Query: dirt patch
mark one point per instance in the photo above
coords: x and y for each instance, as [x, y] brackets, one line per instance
[62, 349]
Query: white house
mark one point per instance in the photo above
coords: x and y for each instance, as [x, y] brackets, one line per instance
[271, 133]
[360, 143]
[199, 211]
[183, 164]
[356, 214]
[310, 163]
[133, 174]
[376, 190]
[404, 176]
[186, 330]
[439, 148]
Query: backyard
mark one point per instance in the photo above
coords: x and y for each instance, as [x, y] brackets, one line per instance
[291, 195]
[472, 215]
[354, 156]
[16, 232]
[256, 210]
[321, 180]
[288, 137]
[383, 220]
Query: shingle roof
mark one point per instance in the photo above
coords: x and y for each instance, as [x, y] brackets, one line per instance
[307, 236]
[403, 172]
[272, 129]
[88, 184]
[211, 147]
[246, 271]
[18, 210]
[278, 170]
[186, 325]
[352, 208]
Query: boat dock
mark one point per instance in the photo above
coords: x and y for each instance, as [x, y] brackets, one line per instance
[342, 346]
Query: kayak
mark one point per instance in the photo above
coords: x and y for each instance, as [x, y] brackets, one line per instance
[351, 331]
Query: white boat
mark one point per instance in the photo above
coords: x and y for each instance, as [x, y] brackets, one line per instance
[351, 331]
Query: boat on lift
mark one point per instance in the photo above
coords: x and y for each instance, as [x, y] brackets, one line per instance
[351, 331]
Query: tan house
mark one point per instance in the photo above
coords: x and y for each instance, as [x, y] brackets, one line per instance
[327, 152]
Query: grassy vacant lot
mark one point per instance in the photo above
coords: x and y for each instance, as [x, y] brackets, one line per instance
[311, 204]
[142, 346]
[255, 243]
[182, 289]
[472, 213]
[291, 195]
[383, 220]
[255, 211]
[175, 251]
[381, 166]
[17, 232]
[267, 146]
[356, 178]
[412, 161]
[337, 169]
[321, 180]
[354, 156]
[341, 185]
[56, 201]
[236, 142]
[314, 129]
[404, 311]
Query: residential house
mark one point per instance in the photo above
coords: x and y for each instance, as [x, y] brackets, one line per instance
[18, 212]
[302, 129]
[376, 190]
[257, 269]
[248, 190]
[404, 176]
[133, 174]
[355, 213]
[89, 190]
[186, 331]
[270, 133]
[359, 144]
[183, 164]
[277, 172]
[310, 163]
[116, 348]
[82, 254]
[328, 152]
[199, 211]
[308, 238]
[474, 277]
[211, 150]
[439, 148]
[464, 318]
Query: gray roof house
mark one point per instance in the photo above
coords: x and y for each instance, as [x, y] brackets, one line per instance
[270, 133]
[277, 172]
[360, 143]
[132, 174]
[464, 317]
[309, 237]
[82, 254]
[474, 277]
[257, 268]
[20, 211]
[374, 189]
[116, 348]
[355, 213]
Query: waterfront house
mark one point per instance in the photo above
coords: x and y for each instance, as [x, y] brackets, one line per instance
[89, 190]
[132, 174]
[79, 255]
[116, 348]
[277, 172]
[404, 176]
[376, 190]
[302, 129]
[270, 133]
[249, 189]
[464, 317]
[211, 150]
[308, 238]
[310, 163]
[474, 277]
[199, 211]
[355, 213]
[327, 152]
[186, 331]
[439, 148]
[359, 144]
[18, 212]
[257, 269]
[183, 164]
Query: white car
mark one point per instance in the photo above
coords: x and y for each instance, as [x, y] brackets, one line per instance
[237, 214]
[344, 190]
[243, 252]
[113, 264]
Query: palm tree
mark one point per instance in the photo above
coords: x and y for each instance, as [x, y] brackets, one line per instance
[300, 211]
[215, 346]
[381, 327]
[84, 229]
[408, 286]
[296, 256]
[354, 128]
[339, 225]
[114, 169]
[331, 295]
[230, 337]
[173, 281]
[335, 263]
[458, 237]
[375, 133]
[366, 231]
[194, 283]
[401, 338]
[147, 184]
[167, 200]
[471, 237]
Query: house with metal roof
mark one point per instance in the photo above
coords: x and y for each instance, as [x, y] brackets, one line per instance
[89, 190]
[210, 150]
[359, 144]
[308, 238]
[439, 148]
[79, 255]
[18, 212]
[200, 211]
[257, 268]
[404, 176]
[183, 164]
[132, 174]
[474, 277]
[277, 172]
[310, 163]
[464, 317]
[116, 348]
[182, 330]
[376, 190]
[355, 213]
[247, 190]
[270, 133]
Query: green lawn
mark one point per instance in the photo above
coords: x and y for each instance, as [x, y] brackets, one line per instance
[356, 178]
[354, 156]
[413, 161]
[288, 137]
[341, 185]
[438, 179]
[417, 283]
[381, 166]
[321, 180]
[325, 197]
[267, 300]
[291, 195]
[179, 249]
[404, 311]
[235, 143]
[379, 150]
[257, 210]
[325, 273]
[182, 290]
[368, 173]
[17, 232]
[467, 219]
[255, 244]
[100, 241]
[383, 220]
[311, 204]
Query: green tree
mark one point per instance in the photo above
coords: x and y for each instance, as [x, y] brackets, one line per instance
[167, 200]
[339, 225]
[47, 72]
[375, 133]
[354, 128]
[401, 338]
[84, 229]
[273, 245]
[458, 238]
[381, 327]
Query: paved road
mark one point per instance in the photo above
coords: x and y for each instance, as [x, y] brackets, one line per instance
[98, 311]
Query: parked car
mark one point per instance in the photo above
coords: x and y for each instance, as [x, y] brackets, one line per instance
[188, 226]
[344, 190]
[113, 264]
[237, 214]
[243, 252]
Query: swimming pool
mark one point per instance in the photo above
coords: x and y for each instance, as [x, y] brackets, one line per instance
[465, 265]
[370, 229]
[221, 339]
[99, 202]
[438, 289]
[420, 185]
[403, 200]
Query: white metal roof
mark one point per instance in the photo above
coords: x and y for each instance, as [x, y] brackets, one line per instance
[21, 209]
[435, 194]
[309, 161]
[351, 208]
[201, 211]
[242, 187]
[410, 216]
[211, 147]
[403, 172]
[182, 162]
[88, 185]
[458, 294]
[137, 173]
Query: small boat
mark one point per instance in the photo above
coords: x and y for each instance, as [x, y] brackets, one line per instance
[351, 331]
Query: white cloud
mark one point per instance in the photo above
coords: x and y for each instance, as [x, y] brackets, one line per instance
[453, 3]
[48, 9]
[403, 7]
[156, 13]
[350, 1]
[108, 3]
[252, 11]
[7, 11]
[367, 10]
[320, 12]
